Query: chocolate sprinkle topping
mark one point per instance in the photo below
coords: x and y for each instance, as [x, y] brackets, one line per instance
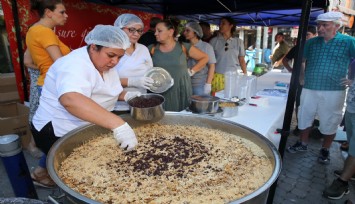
[162, 157]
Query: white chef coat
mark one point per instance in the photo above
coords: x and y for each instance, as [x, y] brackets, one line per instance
[74, 72]
[135, 65]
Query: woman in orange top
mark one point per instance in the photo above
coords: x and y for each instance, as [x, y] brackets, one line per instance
[45, 48]
[43, 44]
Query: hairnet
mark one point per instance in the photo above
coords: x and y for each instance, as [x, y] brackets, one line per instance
[196, 28]
[127, 19]
[108, 36]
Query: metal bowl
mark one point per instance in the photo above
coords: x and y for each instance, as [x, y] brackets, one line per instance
[65, 145]
[204, 104]
[147, 107]
[229, 108]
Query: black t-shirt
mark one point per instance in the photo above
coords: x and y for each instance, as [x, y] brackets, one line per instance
[292, 53]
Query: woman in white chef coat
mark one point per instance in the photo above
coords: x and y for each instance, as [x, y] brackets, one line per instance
[137, 60]
[82, 88]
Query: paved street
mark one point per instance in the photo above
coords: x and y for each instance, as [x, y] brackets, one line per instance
[302, 179]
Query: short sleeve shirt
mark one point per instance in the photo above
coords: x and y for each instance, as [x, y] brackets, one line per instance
[201, 76]
[328, 62]
[38, 38]
[74, 72]
[279, 51]
[227, 53]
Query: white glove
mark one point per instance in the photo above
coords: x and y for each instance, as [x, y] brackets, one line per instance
[131, 94]
[140, 82]
[125, 136]
[207, 89]
[191, 72]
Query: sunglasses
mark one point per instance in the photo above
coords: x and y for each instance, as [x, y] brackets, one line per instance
[226, 47]
[133, 30]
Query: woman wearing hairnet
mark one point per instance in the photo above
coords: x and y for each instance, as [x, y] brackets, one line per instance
[202, 79]
[136, 61]
[82, 88]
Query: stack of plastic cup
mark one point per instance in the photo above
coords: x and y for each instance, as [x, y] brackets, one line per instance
[230, 78]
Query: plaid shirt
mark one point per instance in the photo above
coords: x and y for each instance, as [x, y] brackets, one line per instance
[327, 63]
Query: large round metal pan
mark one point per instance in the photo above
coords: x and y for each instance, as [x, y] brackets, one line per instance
[64, 146]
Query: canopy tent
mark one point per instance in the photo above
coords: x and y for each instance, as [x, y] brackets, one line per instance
[250, 12]
[289, 17]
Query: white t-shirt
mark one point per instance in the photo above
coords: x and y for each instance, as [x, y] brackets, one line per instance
[135, 65]
[74, 73]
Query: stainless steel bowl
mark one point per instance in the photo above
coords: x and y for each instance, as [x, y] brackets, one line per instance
[147, 107]
[229, 108]
[64, 146]
[204, 104]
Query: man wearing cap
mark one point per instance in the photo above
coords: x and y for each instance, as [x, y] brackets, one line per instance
[328, 57]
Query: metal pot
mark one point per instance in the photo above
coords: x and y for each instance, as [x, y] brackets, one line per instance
[204, 104]
[64, 146]
[144, 113]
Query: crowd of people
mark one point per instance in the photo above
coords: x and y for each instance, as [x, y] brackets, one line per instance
[82, 86]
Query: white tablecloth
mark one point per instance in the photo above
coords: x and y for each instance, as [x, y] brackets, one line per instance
[265, 120]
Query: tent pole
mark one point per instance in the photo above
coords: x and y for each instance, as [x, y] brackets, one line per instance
[301, 39]
[19, 47]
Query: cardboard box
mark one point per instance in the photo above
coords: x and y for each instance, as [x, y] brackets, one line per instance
[14, 120]
[8, 88]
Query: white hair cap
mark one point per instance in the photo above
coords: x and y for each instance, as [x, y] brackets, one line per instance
[196, 28]
[127, 19]
[330, 16]
[108, 36]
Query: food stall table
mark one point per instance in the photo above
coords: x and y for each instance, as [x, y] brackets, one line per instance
[264, 119]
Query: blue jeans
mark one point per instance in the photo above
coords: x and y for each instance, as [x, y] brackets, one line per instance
[198, 90]
[39, 88]
[350, 132]
[42, 161]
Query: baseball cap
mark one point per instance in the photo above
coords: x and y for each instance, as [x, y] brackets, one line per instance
[330, 16]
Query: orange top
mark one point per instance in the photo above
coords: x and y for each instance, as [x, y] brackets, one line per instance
[38, 38]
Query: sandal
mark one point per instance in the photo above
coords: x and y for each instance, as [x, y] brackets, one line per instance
[44, 181]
